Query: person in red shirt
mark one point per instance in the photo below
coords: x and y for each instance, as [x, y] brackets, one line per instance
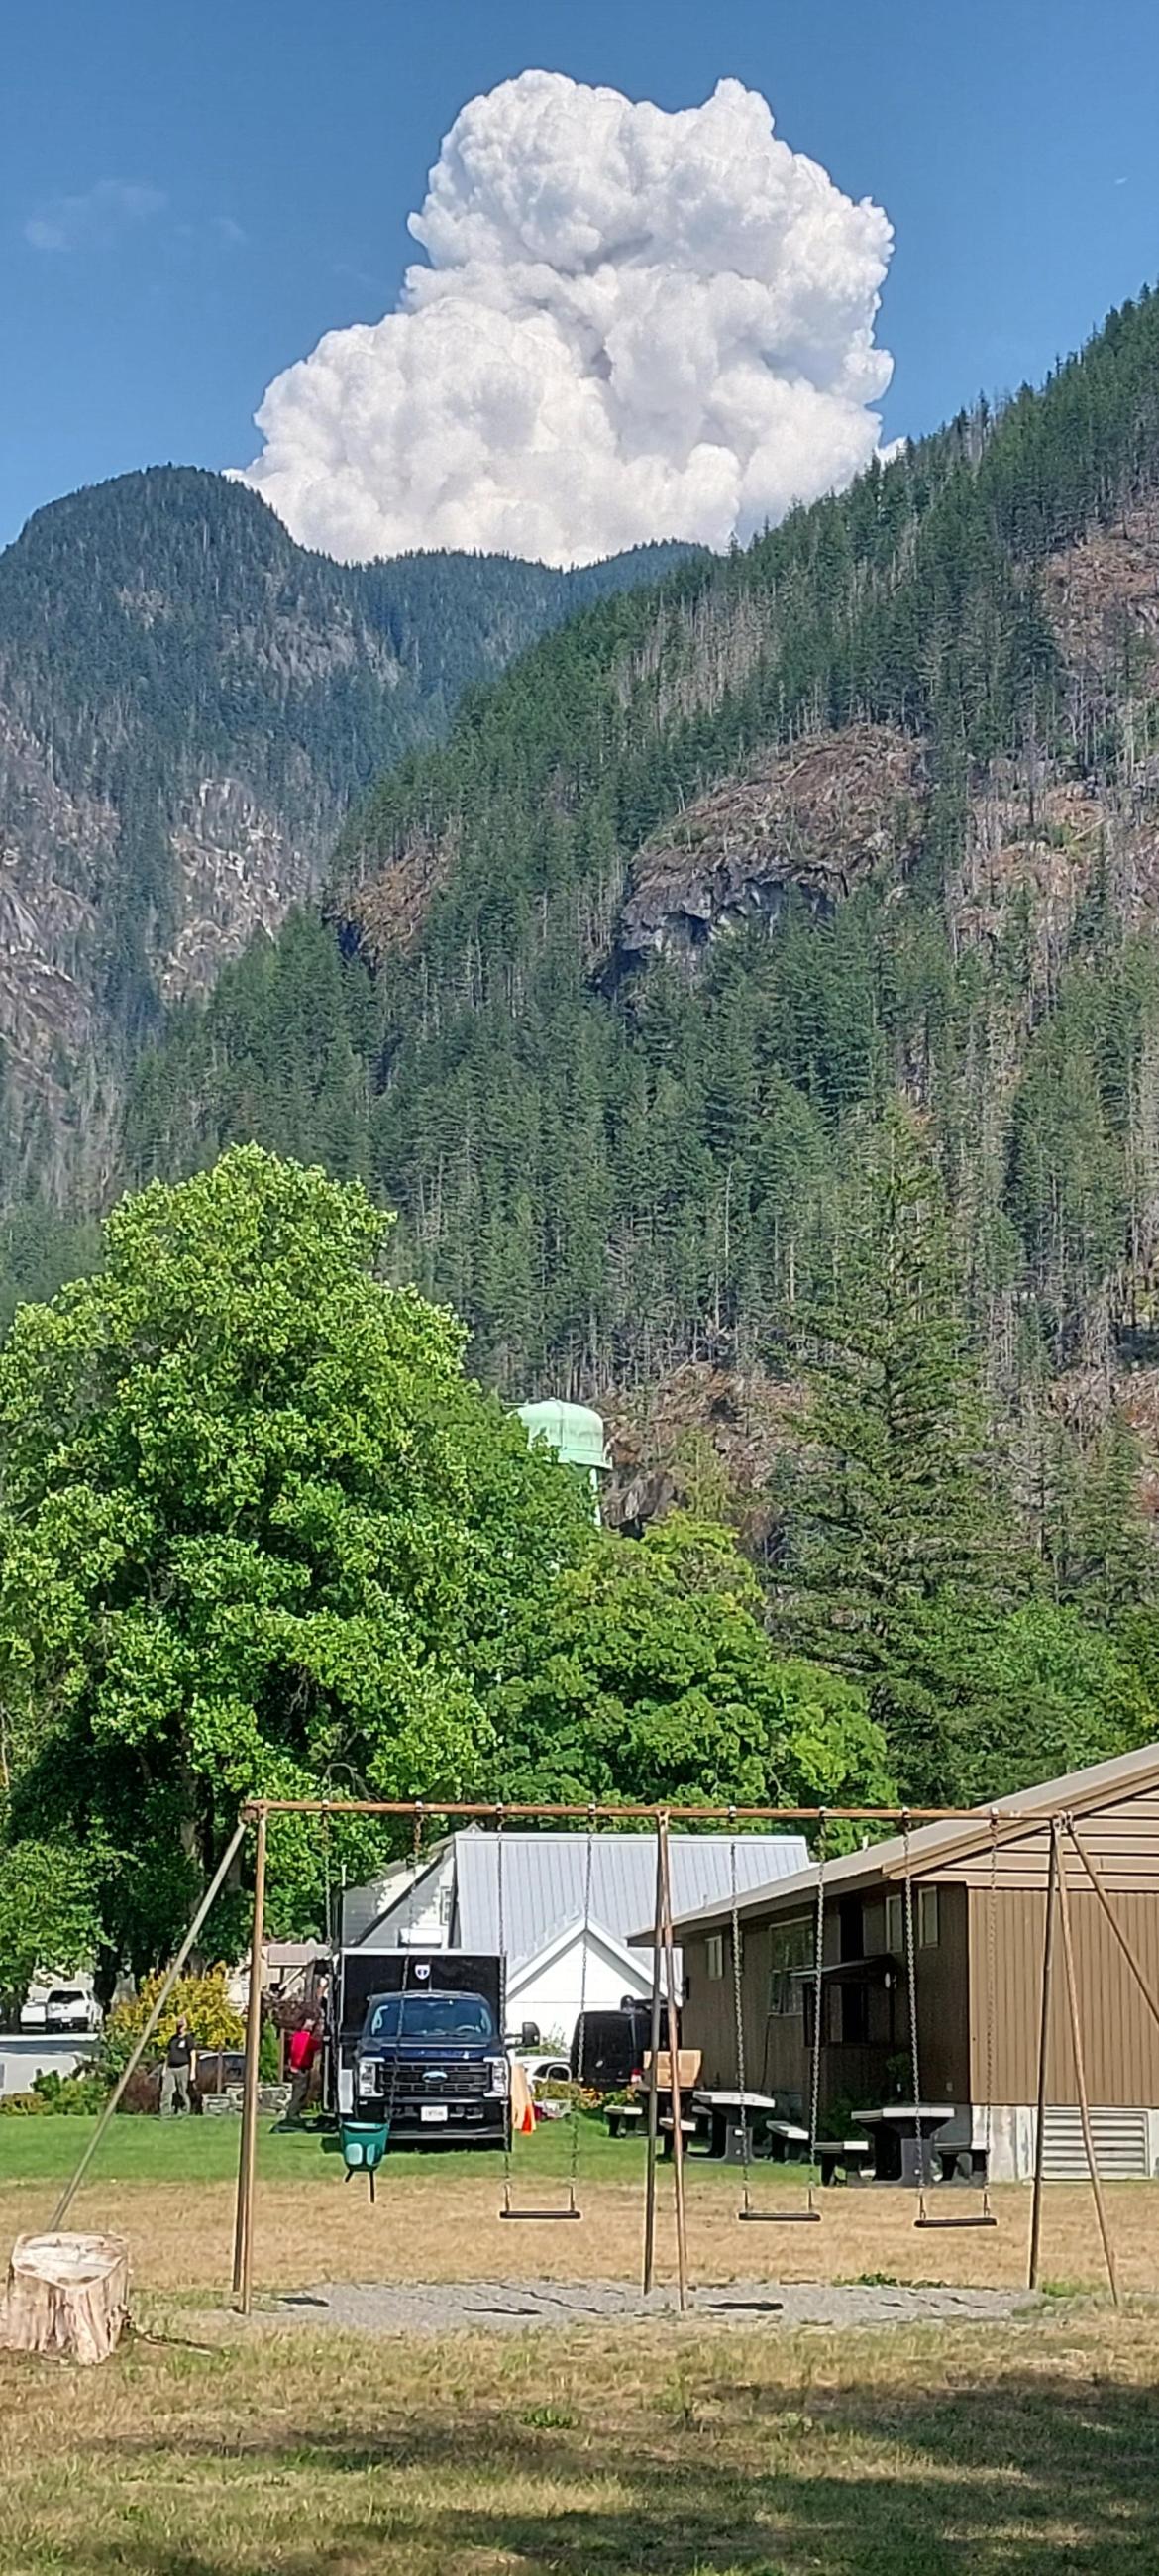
[303, 2051]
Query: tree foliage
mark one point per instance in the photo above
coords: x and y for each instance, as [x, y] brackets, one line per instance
[259, 1533]
[48, 1914]
[646, 1674]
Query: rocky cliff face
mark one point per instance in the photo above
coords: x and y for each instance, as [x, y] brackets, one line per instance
[188, 704]
[815, 819]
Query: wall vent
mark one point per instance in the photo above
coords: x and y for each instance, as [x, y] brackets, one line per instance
[1120, 2143]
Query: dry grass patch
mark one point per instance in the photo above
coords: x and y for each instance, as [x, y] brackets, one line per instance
[664, 2449]
[440, 2222]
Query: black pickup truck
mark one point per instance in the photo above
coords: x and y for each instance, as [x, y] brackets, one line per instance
[421, 2043]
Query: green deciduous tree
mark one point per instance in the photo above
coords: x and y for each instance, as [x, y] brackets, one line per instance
[48, 1914]
[259, 1533]
[647, 1674]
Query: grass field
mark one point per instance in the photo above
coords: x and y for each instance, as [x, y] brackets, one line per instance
[660, 2452]
[168, 2186]
[664, 2449]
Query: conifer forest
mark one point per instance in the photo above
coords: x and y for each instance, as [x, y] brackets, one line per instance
[747, 1002]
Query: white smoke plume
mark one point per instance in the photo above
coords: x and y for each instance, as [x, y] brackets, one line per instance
[632, 325]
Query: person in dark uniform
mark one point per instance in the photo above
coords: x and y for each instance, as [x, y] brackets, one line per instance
[177, 2072]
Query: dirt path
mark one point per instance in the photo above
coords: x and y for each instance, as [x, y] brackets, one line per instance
[446, 2307]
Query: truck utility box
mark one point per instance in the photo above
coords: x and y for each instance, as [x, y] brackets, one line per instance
[420, 2043]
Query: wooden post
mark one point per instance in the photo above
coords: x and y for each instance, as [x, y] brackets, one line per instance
[1081, 2081]
[674, 2063]
[1043, 2052]
[243, 2242]
[210, 1897]
[653, 2098]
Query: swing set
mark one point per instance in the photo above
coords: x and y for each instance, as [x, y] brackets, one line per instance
[1014, 1825]
[749, 2212]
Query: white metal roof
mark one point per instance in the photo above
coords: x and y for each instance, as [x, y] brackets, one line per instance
[544, 1877]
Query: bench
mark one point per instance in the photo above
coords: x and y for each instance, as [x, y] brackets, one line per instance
[787, 2139]
[849, 2156]
[622, 2118]
[688, 2129]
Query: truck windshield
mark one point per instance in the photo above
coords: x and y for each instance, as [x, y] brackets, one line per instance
[445, 2017]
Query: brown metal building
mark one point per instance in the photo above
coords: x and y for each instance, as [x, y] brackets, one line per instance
[979, 1909]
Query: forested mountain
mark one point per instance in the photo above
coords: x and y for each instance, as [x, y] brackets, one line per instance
[188, 703]
[610, 985]
[752, 1009]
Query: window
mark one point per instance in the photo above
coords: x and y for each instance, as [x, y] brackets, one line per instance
[927, 1926]
[791, 1951]
[715, 1954]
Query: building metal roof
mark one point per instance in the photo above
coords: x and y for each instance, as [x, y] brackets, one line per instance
[544, 1877]
[932, 1847]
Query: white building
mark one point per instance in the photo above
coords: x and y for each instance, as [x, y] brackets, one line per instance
[453, 1901]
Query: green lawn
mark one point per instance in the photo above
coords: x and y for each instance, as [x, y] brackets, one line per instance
[138, 2149]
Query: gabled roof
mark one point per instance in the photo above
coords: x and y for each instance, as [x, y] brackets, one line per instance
[933, 1847]
[565, 1938]
[544, 1877]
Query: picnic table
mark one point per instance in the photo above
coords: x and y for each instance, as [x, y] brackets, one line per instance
[623, 2118]
[727, 2113]
[902, 2133]
[849, 2156]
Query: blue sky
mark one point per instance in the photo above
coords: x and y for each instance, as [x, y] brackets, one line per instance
[188, 198]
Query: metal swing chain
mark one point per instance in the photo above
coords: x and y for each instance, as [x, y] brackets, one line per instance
[738, 2007]
[911, 1982]
[576, 2108]
[818, 1999]
[991, 2000]
[416, 1857]
[507, 2149]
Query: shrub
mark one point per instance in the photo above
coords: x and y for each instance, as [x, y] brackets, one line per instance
[77, 2096]
[203, 2001]
[70, 2096]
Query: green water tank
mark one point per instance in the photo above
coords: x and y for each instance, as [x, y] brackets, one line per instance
[574, 1431]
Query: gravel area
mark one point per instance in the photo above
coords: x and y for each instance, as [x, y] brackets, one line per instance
[506, 2307]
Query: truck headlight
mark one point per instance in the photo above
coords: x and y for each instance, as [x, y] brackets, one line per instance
[370, 2073]
[500, 2074]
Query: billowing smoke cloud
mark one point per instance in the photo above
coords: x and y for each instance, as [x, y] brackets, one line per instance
[633, 325]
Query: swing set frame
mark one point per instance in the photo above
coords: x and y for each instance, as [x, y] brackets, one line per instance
[1064, 1838]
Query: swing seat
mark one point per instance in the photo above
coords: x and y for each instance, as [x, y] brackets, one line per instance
[363, 2144]
[541, 2213]
[779, 2217]
[363, 2148]
[976, 2218]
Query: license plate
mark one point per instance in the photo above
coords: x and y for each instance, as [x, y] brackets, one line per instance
[433, 2113]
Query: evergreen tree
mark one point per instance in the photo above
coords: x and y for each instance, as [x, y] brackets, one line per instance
[893, 1511]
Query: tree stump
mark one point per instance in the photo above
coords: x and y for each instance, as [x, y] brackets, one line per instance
[67, 2295]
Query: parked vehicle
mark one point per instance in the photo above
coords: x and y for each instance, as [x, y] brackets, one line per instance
[614, 2046]
[71, 2008]
[550, 2080]
[426, 2051]
[544, 2070]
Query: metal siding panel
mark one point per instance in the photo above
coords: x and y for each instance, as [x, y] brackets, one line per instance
[1120, 2041]
[544, 1876]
